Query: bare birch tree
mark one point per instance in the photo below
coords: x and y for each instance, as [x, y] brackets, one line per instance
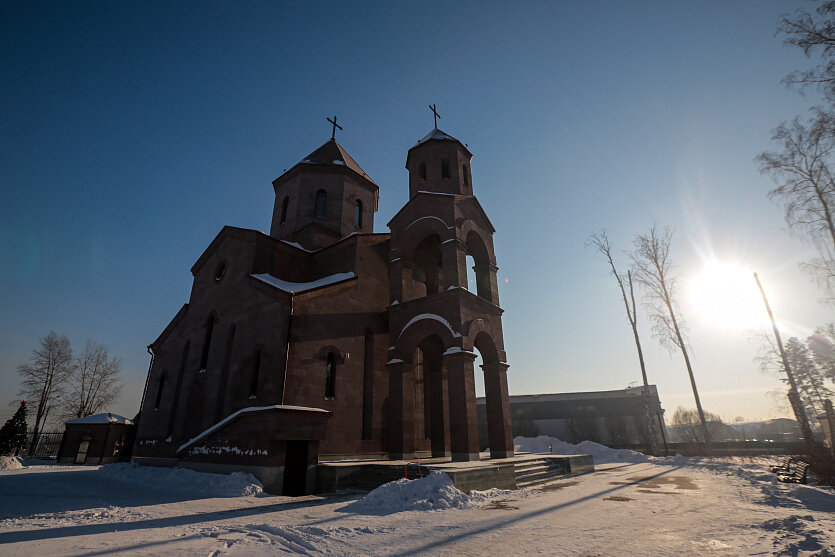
[94, 383]
[654, 270]
[600, 240]
[814, 33]
[44, 377]
[806, 187]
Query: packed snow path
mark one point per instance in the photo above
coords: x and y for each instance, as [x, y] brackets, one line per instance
[672, 506]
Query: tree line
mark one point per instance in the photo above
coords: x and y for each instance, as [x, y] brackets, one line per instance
[56, 382]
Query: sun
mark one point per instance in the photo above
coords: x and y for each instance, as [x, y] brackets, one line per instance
[725, 295]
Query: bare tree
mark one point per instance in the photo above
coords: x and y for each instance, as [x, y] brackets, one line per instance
[601, 241]
[44, 377]
[655, 271]
[94, 383]
[688, 428]
[806, 187]
[814, 33]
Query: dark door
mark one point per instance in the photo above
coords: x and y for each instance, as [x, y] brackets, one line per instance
[295, 468]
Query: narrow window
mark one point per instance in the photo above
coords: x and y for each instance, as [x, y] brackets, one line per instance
[444, 168]
[321, 201]
[422, 170]
[465, 174]
[159, 389]
[330, 377]
[204, 357]
[224, 374]
[256, 368]
[358, 214]
[284, 205]
[368, 385]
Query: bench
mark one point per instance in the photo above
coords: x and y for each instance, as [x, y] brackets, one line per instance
[796, 475]
[784, 465]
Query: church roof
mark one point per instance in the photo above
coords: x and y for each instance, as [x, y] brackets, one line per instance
[439, 134]
[331, 153]
[436, 134]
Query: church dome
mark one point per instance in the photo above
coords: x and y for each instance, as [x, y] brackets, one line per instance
[331, 153]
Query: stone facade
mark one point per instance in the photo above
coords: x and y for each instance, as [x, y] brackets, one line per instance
[368, 337]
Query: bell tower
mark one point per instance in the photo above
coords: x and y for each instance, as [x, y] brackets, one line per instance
[436, 323]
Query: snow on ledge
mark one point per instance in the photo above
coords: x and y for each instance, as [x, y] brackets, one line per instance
[297, 246]
[103, 418]
[249, 410]
[299, 287]
[432, 316]
[457, 350]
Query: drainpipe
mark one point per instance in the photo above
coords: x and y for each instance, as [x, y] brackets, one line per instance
[147, 381]
[287, 354]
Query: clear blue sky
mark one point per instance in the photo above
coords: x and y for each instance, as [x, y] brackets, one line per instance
[130, 133]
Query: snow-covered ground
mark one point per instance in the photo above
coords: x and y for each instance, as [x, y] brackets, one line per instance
[632, 505]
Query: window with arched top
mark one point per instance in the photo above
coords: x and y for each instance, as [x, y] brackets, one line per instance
[444, 168]
[330, 377]
[422, 170]
[358, 214]
[368, 385]
[321, 203]
[159, 389]
[207, 342]
[465, 174]
[256, 370]
[284, 205]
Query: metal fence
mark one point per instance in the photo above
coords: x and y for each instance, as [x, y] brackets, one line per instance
[46, 447]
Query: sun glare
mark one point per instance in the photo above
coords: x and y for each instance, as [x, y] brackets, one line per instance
[725, 295]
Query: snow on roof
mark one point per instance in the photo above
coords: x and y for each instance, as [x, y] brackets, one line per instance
[230, 417]
[436, 134]
[103, 418]
[296, 245]
[299, 287]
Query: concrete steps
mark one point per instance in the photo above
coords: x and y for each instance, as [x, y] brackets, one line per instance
[539, 471]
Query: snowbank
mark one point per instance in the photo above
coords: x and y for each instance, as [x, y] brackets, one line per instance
[181, 480]
[600, 453]
[10, 463]
[432, 492]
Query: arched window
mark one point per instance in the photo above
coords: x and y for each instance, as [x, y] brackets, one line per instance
[321, 203]
[330, 377]
[207, 342]
[444, 168]
[422, 170]
[358, 214]
[256, 369]
[159, 389]
[284, 205]
[465, 174]
[368, 385]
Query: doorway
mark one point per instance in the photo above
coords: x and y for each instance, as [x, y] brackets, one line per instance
[295, 468]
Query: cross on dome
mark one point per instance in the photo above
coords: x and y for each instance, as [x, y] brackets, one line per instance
[335, 125]
[435, 112]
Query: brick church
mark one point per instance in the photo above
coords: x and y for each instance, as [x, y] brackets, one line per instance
[327, 341]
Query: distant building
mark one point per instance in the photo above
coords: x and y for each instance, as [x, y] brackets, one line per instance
[97, 439]
[613, 418]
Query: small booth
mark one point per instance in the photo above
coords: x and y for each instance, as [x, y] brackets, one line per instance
[97, 439]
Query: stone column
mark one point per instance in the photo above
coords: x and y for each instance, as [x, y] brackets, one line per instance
[396, 280]
[463, 419]
[400, 426]
[454, 260]
[436, 382]
[499, 425]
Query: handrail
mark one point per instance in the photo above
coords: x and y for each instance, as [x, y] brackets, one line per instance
[406, 469]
